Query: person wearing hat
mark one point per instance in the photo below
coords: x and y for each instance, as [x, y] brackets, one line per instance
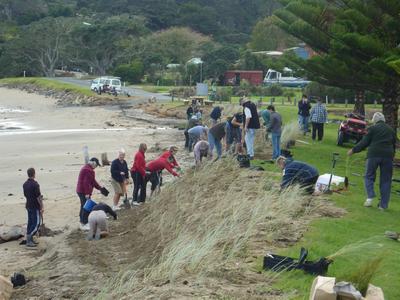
[297, 172]
[381, 143]
[86, 183]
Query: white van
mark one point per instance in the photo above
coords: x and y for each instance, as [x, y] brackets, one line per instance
[112, 82]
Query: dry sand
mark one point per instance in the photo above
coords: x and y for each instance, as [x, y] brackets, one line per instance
[34, 132]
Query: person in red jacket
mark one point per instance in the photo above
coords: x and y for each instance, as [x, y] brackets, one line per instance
[86, 183]
[155, 168]
[138, 173]
[171, 154]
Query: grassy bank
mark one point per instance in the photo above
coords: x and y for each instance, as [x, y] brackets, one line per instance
[353, 239]
[47, 84]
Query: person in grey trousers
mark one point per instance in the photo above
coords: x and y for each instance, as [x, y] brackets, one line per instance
[381, 143]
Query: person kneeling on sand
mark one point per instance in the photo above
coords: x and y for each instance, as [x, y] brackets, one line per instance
[119, 177]
[201, 149]
[296, 172]
[153, 172]
[34, 206]
[98, 221]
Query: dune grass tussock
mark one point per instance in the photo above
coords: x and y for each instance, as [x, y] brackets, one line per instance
[46, 83]
[290, 132]
[203, 220]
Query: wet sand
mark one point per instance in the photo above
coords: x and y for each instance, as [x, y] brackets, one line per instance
[51, 139]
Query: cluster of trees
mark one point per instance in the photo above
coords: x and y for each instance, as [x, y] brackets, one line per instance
[103, 37]
[357, 42]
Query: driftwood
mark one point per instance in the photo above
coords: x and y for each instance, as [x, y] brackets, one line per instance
[6, 288]
[104, 160]
[13, 233]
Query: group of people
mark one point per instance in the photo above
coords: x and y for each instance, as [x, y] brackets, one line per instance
[140, 172]
[239, 132]
[317, 114]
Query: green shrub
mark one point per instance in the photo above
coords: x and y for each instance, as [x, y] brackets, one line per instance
[224, 94]
[275, 90]
[132, 73]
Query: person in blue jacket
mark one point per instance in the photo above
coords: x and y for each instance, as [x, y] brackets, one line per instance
[297, 172]
[216, 115]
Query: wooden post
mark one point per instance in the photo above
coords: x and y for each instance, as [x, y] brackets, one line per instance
[375, 102]
[326, 100]
[283, 101]
[295, 101]
[271, 101]
[346, 102]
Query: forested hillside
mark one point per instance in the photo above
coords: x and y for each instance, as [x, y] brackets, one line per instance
[137, 36]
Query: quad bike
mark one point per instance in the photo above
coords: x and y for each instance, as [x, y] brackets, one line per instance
[351, 129]
[108, 90]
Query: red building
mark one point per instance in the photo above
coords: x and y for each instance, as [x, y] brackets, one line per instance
[233, 77]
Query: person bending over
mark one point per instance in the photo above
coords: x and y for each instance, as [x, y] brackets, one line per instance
[98, 221]
[297, 172]
[154, 169]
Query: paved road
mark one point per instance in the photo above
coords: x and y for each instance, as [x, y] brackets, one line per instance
[133, 91]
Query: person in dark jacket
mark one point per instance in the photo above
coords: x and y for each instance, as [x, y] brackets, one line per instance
[234, 133]
[215, 136]
[381, 143]
[86, 183]
[296, 172]
[98, 221]
[250, 125]
[275, 128]
[189, 112]
[304, 113]
[138, 173]
[34, 206]
[216, 115]
[119, 177]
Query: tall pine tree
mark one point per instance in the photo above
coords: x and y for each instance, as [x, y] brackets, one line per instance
[357, 42]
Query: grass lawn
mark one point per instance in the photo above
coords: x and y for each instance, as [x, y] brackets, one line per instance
[155, 88]
[46, 83]
[361, 230]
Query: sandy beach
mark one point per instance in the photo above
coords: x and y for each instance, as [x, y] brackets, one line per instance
[34, 132]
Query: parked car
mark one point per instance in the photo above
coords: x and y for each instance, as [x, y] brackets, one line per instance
[106, 83]
[352, 129]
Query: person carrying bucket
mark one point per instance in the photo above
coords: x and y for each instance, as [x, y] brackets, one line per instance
[86, 183]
